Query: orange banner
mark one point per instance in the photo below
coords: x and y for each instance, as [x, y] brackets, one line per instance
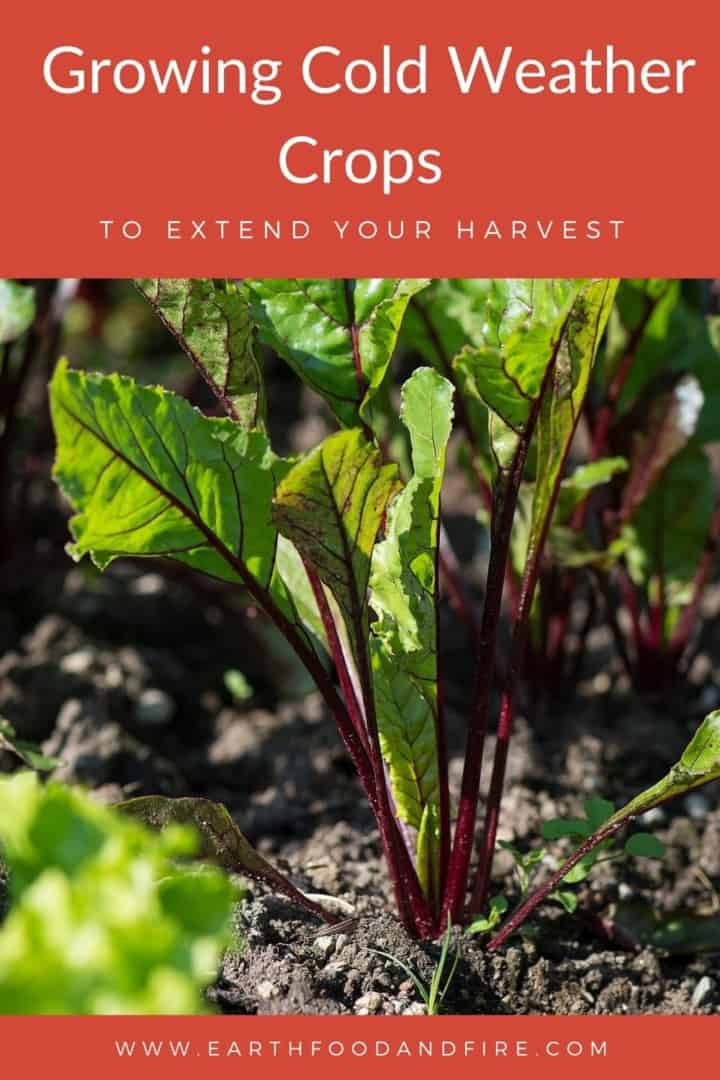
[451, 139]
[417, 1048]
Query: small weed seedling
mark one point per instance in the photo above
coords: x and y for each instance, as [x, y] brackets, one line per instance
[526, 864]
[433, 993]
[342, 548]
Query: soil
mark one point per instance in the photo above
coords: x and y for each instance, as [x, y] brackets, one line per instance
[122, 677]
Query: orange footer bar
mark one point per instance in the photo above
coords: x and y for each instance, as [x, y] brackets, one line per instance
[416, 1047]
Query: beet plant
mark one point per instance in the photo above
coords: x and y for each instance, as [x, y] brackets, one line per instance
[648, 421]
[341, 547]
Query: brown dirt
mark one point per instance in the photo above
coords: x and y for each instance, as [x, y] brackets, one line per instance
[122, 677]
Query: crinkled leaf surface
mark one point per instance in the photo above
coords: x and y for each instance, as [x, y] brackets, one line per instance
[516, 340]
[331, 505]
[17, 309]
[337, 334]
[213, 325]
[446, 317]
[561, 404]
[404, 597]
[150, 475]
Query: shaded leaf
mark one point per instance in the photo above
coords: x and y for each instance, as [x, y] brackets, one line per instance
[597, 811]
[581, 869]
[222, 841]
[331, 505]
[557, 828]
[660, 429]
[572, 549]
[681, 934]
[677, 338]
[645, 846]
[212, 323]
[337, 334]
[656, 547]
[525, 863]
[17, 309]
[566, 899]
[26, 751]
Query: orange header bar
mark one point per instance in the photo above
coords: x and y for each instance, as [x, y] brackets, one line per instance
[119, 1048]
[586, 149]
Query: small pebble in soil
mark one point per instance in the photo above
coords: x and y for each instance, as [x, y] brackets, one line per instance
[154, 708]
[78, 663]
[652, 818]
[702, 991]
[324, 946]
[368, 1004]
[266, 990]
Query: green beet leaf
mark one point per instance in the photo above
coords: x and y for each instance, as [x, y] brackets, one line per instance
[404, 596]
[222, 842]
[337, 334]
[505, 365]
[213, 326]
[150, 475]
[662, 424]
[664, 333]
[563, 400]
[331, 505]
[698, 765]
[668, 532]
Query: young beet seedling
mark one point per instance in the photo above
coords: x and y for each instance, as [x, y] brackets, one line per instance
[340, 552]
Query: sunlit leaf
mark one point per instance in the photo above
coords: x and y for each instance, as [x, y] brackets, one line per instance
[149, 475]
[338, 334]
[212, 323]
[404, 596]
